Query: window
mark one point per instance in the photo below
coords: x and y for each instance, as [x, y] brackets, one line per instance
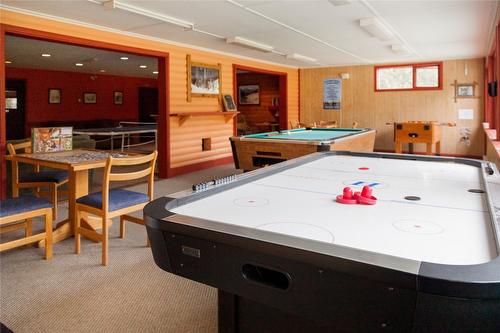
[408, 77]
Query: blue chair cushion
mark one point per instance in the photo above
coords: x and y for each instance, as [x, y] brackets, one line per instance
[50, 176]
[22, 204]
[118, 199]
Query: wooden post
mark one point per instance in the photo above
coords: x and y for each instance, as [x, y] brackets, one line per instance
[3, 135]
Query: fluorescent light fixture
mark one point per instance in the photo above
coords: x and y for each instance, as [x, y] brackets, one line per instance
[374, 27]
[78, 64]
[8, 62]
[124, 58]
[400, 49]
[339, 2]
[46, 55]
[299, 57]
[143, 66]
[113, 4]
[155, 72]
[249, 43]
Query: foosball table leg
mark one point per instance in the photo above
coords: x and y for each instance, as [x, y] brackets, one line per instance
[438, 148]
[429, 149]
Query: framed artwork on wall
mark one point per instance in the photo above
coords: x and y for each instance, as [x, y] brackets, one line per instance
[203, 80]
[249, 94]
[465, 90]
[118, 97]
[54, 96]
[89, 98]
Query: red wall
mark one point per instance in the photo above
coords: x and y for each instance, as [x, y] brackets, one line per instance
[73, 85]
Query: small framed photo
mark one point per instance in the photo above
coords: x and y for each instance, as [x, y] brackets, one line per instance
[54, 96]
[89, 98]
[249, 94]
[228, 103]
[118, 97]
[465, 90]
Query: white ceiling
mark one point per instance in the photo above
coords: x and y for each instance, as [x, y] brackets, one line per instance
[27, 53]
[431, 30]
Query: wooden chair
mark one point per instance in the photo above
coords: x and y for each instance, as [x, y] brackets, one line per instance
[23, 209]
[116, 202]
[51, 179]
[328, 124]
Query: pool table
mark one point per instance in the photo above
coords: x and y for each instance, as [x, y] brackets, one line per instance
[257, 150]
[285, 256]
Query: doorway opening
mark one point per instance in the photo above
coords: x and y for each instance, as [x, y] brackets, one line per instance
[261, 98]
[15, 111]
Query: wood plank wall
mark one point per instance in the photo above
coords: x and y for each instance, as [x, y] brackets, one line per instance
[185, 140]
[373, 109]
[269, 89]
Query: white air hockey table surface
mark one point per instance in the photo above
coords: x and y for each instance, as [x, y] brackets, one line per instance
[450, 222]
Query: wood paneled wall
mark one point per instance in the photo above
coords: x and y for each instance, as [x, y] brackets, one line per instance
[269, 89]
[185, 140]
[373, 109]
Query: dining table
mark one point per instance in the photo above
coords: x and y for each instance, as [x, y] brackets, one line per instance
[77, 163]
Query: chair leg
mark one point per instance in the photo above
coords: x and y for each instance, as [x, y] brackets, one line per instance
[54, 201]
[28, 230]
[15, 190]
[122, 227]
[105, 241]
[77, 233]
[48, 235]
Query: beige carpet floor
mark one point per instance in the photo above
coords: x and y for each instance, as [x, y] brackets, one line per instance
[74, 293]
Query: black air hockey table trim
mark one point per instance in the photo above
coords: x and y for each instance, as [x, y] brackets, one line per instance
[468, 282]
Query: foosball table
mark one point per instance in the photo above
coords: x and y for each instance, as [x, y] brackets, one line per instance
[427, 132]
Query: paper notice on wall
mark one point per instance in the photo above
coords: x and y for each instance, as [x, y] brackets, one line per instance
[465, 113]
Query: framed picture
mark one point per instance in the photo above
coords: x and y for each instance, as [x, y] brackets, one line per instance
[54, 96]
[203, 79]
[228, 103]
[249, 95]
[51, 139]
[89, 98]
[465, 90]
[118, 97]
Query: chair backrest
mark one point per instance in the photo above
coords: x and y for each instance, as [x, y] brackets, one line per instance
[149, 170]
[12, 148]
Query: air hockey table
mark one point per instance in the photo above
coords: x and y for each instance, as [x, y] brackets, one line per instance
[286, 257]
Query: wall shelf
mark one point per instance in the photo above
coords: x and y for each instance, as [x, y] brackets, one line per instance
[228, 115]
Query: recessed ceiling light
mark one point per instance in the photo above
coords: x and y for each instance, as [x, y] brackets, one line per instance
[46, 55]
[143, 66]
[102, 70]
[124, 58]
[8, 62]
[155, 72]
[79, 64]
